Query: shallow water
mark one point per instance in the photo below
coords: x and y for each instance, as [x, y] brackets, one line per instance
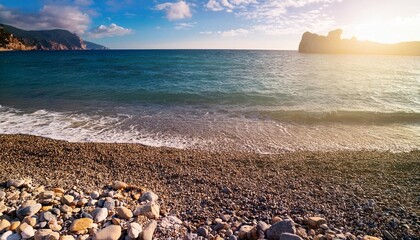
[264, 101]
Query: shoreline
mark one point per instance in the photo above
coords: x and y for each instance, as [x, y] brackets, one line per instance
[200, 185]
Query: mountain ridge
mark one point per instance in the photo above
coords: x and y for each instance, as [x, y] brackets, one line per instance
[334, 44]
[12, 38]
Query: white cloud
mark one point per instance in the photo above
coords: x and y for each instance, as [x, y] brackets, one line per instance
[175, 11]
[49, 17]
[234, 32]
[206, 32]
[180, 26]
[109, 31]
[228, 5]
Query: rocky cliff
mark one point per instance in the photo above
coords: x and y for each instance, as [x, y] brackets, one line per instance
[17, 39]
[333, 44]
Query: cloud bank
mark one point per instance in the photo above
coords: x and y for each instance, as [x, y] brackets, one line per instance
[49, 17]
[108, 31]
[175, 11]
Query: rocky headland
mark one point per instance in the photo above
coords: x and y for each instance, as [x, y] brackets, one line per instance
[12, 38]
[59, 190]
[333, 44]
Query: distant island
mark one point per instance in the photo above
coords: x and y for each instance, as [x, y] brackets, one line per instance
[12, 38]
[333, 44]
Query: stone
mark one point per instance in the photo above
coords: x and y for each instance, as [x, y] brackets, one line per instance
[119, 185]
[17, 183]
[149, 230]
[109, 204]
[244, 230]
[67, 199]
[81, 224]
[53, 225]
[202, 231]
[124, 213]
[151, 210]
[221, 225]
[47, 216]
[47, 195]
[66, 209]
[67, 237]
[3, 208]
[260, 229]
[116, 221]
[21, 227]
[99, 214]
[4, 224]
[301, 232]
[46, 234]
[30, 220]
[149, 196]
[28, 232]
[284, 226]
[134, 230]
[9, 235]
[2, 194]
[58, 190]
[276, 219]
[14, 225]
[41, 225]
[289, 236]
[388, 235]
[112, 232]
[233, 237]
[95, 195]
[367, 237]
[29, 210]
[315, 222]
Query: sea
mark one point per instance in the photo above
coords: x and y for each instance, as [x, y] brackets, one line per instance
[218, 100]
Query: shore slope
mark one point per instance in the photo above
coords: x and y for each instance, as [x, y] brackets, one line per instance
[200, 185]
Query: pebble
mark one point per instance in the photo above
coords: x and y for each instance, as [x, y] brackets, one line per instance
[67, 199]
[109, 204]
[29, 210]
[149, 196]
[30, 221]
[124, 213]
[9, 235]
[28, 232]
[112, 232]
[95, 195]
[284, 226]
[149, 230]
[46, 234]
[119, 185]
[4, 224]
[47, 216]
[202, 231]
[81, 224]
[67, 237]
[99, 214]
[13, 225]
[17, 183]
[150, 210]
[134, 230]
[289, 236]
[315, 222]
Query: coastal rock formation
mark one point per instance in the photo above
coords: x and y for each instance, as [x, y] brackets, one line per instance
[333, 44]
[12, 38]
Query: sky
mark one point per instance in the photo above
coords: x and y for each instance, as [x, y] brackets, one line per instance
[216, 24]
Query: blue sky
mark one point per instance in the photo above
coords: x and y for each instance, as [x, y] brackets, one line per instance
[220, 24]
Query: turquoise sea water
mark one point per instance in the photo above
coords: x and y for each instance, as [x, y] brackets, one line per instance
[263, 101]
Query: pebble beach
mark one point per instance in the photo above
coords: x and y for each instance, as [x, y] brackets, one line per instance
[52, 189]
